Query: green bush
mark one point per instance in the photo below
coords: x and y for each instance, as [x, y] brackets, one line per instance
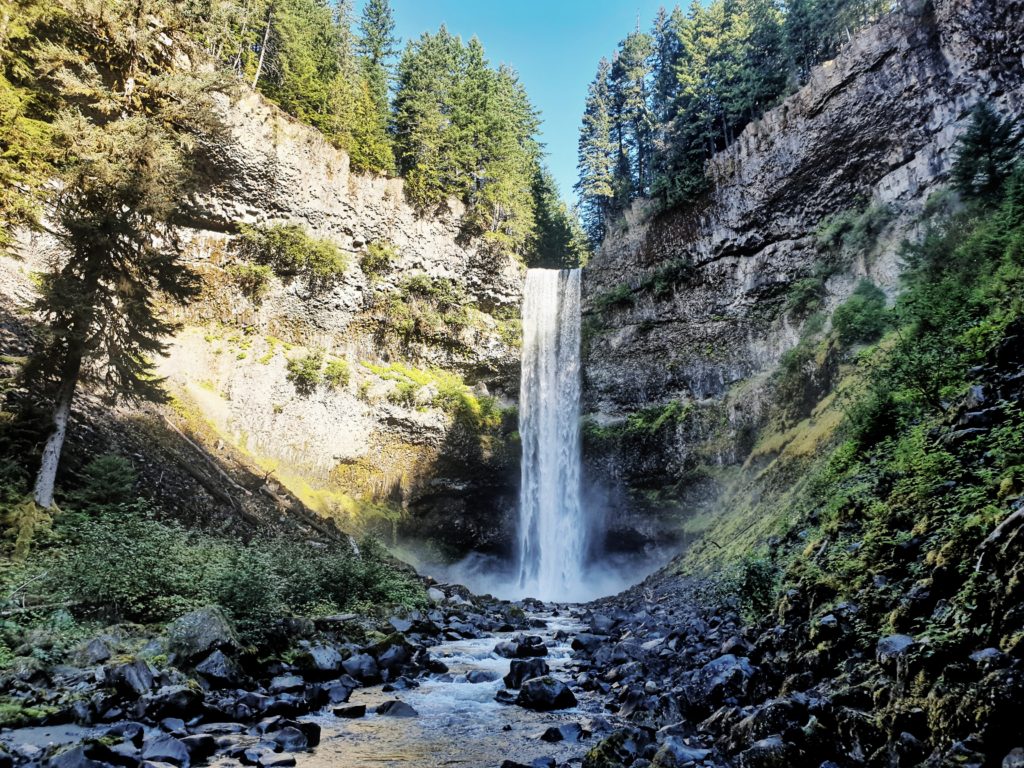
[337, 374]
[855, 231]
[377, 260]
[863, 317]
[253, 280]
[125, 565]
[290, 252]
[305, 372]
[805, 296]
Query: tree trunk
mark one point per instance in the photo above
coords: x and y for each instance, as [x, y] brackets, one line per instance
[263, 48]
[43, 492]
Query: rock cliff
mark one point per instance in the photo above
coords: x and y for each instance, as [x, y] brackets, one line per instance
[406, 425]
[689, 312]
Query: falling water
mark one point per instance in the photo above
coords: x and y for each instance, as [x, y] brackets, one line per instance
[552, 528]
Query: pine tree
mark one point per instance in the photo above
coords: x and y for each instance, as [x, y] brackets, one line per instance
[985, 154]
[124, 141]
[561, 242]
[377, 47]
[633, 121]
[596, 163]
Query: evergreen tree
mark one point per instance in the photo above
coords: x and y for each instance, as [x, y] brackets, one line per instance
[985, 154]
[596, 164]
[561, 242]
[127, 117]
[633, 121]
[377, 47]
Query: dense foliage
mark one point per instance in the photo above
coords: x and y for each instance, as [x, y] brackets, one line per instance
[669, 99]
[107, 556]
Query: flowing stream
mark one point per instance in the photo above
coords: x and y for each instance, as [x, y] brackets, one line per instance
[459, 722]
[552, 524]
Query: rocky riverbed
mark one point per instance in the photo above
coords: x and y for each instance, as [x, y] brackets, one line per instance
[663, 676]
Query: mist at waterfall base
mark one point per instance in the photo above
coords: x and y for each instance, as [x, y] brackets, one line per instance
[559, 556]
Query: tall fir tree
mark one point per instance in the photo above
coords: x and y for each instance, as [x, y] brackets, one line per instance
[597, 156]
[127, 120]
[377, 47]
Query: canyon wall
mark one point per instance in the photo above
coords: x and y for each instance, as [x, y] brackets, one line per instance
[407, 426]
[688, 312]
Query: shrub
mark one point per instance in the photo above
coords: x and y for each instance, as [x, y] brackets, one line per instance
[862, 318]
[304, 372]
[619, 296]
[855, 231]
[377, 260]
[337, 373]
[805, 296]
[756, 584]
[123, 565]
[106, 481]
[253, 280]
[290, 252]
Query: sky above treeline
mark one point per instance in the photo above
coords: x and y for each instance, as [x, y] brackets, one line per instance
[553, 44]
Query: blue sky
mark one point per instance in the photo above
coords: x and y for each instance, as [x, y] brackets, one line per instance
[553, 44]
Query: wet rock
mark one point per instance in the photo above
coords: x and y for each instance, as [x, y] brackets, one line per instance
[170, 701]
[291, 739]
[129, 731]
[723, 677]
[505, 697]
[567, 732]
[521, 670]
[133, 678]
[893, 649]
[320, 662]
[621, 748]
[174, 726]
[481, 676]
[1015, 759]
[218, 670]
[396, 708]
[601, 625]
[96, 651]
[675, 753]
[588, 643]
[363, 667]
[287, 684]
[273, 760]
[200, 746]
[166, 749]
[350, 711]
[74, 758]
[199, 633]
[339, 692]
[772, 752]
[545, 694]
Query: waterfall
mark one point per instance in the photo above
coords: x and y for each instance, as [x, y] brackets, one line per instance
[552, 527]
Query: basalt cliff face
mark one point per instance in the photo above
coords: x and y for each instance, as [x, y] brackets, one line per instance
[406, 427]
[689, 312]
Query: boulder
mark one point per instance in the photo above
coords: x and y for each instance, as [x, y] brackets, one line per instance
[545, 694]
[567, 732]
[164, 748]
[199, 633]
[363, 667]
[521, 670]
[287, 684]
[170, 701]
[350, 711]
[674, 752]
[396, 708]
[771, 752]
[218, 670]
[134, 678]
[200, 746]
[321, 661]
[893, 649]
[481, 676]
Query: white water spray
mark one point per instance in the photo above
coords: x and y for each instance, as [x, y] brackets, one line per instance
[552, 526]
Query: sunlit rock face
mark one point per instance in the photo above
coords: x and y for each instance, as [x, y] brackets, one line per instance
[706, 322]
